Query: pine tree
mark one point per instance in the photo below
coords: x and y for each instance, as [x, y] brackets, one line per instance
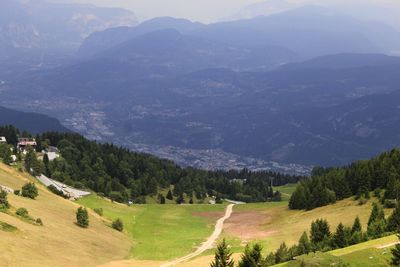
[377, 213]
[319, 231]
[356, 226]
[393, 223]
[396, 254]
[169, 195]
[282, 254]
[304, 246]
[339, 238]
[180, 199]
[251, 257]
[376, 222]
[223, 256]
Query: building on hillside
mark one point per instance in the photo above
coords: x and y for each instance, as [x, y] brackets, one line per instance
[52, 155]
[3, 140]
[23, 143]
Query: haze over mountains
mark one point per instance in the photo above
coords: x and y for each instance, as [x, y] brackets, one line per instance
[309, 85]
[38, 26]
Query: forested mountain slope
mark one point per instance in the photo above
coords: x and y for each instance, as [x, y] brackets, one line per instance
[32, 122]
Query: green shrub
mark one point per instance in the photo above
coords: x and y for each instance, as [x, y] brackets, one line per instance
[362, 200]
[7, 227]
[118, 225]
[98, 211]
[30, 190]
[82, 217]
[17, 192]
[22, 212]
[39, 221]
[3, 200]
[54, 189]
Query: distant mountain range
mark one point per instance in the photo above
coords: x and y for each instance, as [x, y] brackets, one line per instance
[32, 122]
[306, 32]
[294, 87]
[41, 27]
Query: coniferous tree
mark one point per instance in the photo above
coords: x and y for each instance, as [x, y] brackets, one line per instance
[169, 195]
[376, 222]
[377, 213]
[396, 254]
[320, 231]
[304, 246]
[223, 256]
[282, 254]
[251, 257]
[356, 225]
[270, 259]
[180, 199]
[393, 223]
[339, 238]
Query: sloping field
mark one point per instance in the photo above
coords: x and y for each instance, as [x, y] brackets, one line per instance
[273, 223]
[161, 232]
[59, 242]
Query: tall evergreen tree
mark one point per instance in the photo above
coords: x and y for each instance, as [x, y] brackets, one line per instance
[356, 225]
[393, 223]
[282, 254]
[304, 246]
[320, 231]
[396, 254]
[169, 195]
[223, 256]
[251, 257]
[377, 213]
[339, 238]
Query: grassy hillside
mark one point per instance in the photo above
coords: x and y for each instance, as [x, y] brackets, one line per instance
[59, 242]
[273, 223]
[161, 232]
[368, 254]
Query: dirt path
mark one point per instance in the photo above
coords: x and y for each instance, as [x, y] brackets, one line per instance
[210, 241]
[388, 245]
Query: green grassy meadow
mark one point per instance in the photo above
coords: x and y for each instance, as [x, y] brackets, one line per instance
[160, 232]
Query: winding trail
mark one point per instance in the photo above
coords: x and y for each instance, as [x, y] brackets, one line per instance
[210, 241]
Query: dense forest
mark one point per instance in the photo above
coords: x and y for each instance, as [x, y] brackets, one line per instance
[123, 175]
[380, 174]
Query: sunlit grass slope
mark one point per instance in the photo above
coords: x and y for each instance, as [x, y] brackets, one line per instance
[59, 242]
[161, 232]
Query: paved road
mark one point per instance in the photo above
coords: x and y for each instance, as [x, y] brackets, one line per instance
[68, 190]
[210, 241]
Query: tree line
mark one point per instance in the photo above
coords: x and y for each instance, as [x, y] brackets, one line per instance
[328, 185]
[123, 175]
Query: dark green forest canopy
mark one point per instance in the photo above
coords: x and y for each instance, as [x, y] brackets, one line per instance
[358, 179]
[124, 175]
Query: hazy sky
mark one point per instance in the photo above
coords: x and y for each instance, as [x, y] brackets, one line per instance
[200, 10]
[214, 10]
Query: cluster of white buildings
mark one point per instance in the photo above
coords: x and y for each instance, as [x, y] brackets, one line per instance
[24, 143]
